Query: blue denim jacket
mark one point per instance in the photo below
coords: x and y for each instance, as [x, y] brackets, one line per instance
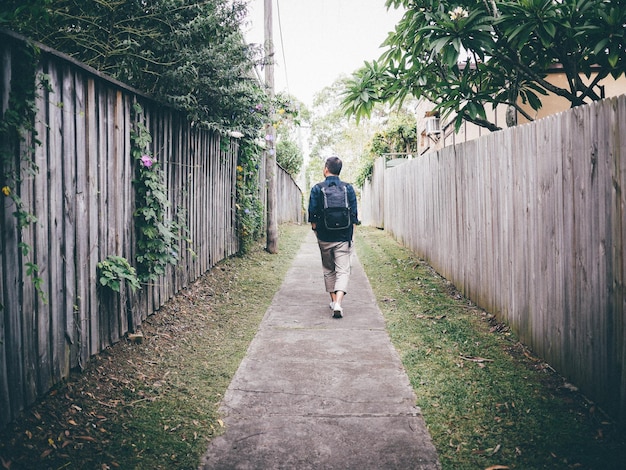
[316, 212]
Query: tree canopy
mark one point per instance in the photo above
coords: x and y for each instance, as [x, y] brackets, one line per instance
[191, 54]
[465, 55]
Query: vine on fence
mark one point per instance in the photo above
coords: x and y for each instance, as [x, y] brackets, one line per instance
[158, 240]
[17, 122]
[249, 205]
[114, 270]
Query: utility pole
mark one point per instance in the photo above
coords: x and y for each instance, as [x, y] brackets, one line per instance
[270, 139]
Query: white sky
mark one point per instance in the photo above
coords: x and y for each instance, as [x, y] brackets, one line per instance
[322, 40]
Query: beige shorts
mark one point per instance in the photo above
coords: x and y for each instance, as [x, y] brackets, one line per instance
[336, 264]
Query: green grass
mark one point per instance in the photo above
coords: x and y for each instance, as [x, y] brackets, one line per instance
[486, 400]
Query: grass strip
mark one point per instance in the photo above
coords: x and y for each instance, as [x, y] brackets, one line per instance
[487, 401]
[153, 404]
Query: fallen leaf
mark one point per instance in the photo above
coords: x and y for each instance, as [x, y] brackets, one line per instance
[6, 463]
[497, 467]
[220, 422]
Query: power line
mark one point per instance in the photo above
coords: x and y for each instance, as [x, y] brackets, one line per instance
[282, 43]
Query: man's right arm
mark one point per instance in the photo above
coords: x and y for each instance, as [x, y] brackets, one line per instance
[313, 207]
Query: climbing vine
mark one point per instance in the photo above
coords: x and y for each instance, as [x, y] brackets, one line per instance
[114, 270]
[250, 213]
[158, 240]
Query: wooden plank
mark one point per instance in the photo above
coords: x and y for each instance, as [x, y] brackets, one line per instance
[124, 114]
[5, 401]
[5, 397]
[618, 139]
[192, 194]
[570, 331]
[188, 244]
[44, 365]
[138, 304]
[116, 203]
[489, 244]
[68, 221]
[91, 333]
[494, 161]
[55, 232]
[520, 239]
[104, 245]
[506, 229]
[82, 223]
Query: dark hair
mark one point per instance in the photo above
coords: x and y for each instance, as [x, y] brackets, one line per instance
[334, 165]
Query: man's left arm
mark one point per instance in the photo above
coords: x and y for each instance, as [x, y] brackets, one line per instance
[354, 213]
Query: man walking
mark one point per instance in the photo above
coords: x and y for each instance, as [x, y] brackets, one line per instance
[333, 215]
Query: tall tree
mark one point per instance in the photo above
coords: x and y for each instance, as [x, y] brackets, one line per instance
[332, 133]
[464, 55]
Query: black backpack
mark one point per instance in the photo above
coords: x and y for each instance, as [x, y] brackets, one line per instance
[336, 206]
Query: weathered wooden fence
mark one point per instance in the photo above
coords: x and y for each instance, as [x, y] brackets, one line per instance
[82, 195]
[530, 223]
[290, 207]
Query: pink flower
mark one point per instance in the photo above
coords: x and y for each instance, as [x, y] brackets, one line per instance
[146, 160]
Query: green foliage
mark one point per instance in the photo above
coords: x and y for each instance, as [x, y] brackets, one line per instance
[250, 210]
[398, 136]
[289, 156]
[115, 270]
[157, 238]
[190, 54]
[288, 112]
[333, 133]
[466, 55]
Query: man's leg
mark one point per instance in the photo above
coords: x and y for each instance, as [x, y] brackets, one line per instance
[343, 267]
[328, 267]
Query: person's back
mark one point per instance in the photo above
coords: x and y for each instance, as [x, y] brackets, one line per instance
[334, 239]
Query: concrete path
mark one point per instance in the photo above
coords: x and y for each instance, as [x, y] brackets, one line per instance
[315, 392]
